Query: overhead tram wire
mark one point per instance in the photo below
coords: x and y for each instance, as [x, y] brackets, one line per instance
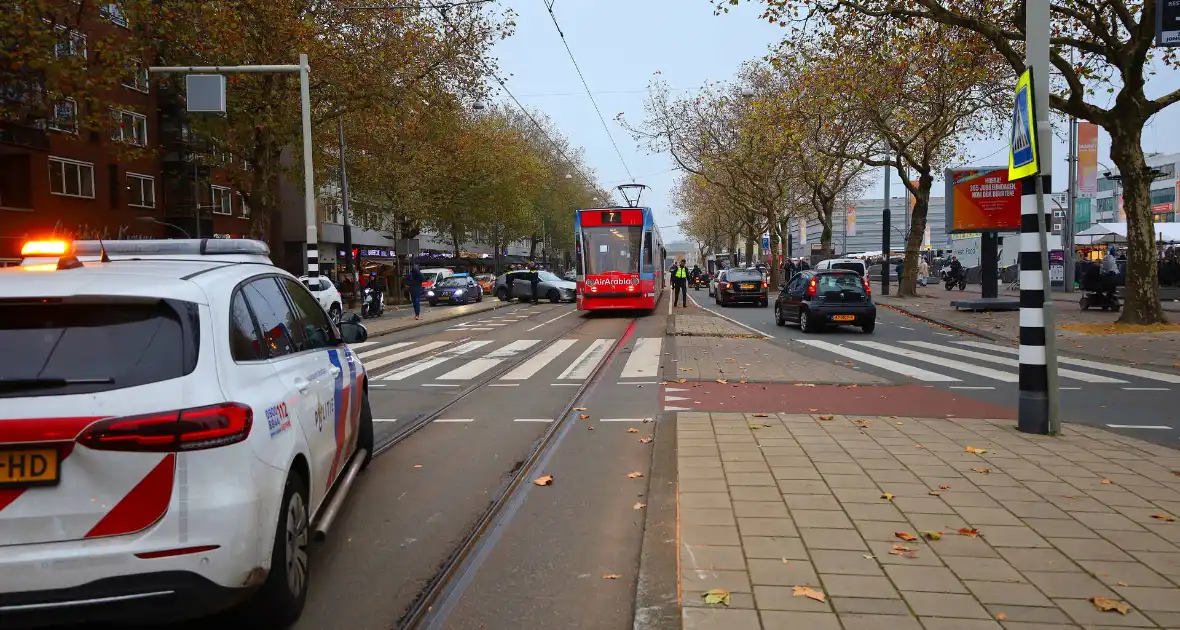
[560, 33]
[544, 132]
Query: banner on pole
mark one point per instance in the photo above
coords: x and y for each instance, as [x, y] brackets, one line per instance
[1087, 159]
[850, 212]
[802, 231]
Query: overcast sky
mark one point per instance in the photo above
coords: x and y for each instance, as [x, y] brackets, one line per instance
[621, 44]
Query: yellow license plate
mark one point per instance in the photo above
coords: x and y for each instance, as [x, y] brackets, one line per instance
[28, 467]
[843, 318]
[747, 286]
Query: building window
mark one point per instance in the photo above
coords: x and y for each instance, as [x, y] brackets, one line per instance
[1105, 184]
[244, 206]
[137, 77]
[71, 178]
[223, 201]
[70, 43]
[141, 190]
[65, 116]
[1163, 195]
[112, 12]
[130, 127]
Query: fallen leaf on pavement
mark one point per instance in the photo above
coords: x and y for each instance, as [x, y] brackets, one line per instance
[906, 536]
[579, 409]
[761, 415]
[977, 451]
[1164, 517]
[868, 556]
[887, 496]
[611, 576]
[717, 596]
[1106, 604]
[583, 416]
[547, 480]
[807, 591]
[634, 475]
[899, 550]
[813, 410]
[638, 506]
[968, 531]
[826, 418]
[683, 380]
[934, 493]
[919, 446]
[645, 439]
[932, 535]
[1001, 616]
[899, 423]
[1123, 584]
[981, 469]
[722, 381]
[944, 487]
[1106, 482]
[632, 430]
[755, 426]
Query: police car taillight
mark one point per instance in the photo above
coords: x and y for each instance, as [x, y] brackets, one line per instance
[171, 431]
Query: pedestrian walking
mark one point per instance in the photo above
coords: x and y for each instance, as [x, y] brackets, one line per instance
[923, 271]
[414, 280]
[680, 284]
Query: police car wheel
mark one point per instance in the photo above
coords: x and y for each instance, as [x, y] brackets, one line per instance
[364, 438]
[284, 593]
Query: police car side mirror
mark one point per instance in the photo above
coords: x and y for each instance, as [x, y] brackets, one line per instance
[353, 332]
[349, 317]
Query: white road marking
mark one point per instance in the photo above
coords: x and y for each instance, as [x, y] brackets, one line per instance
[474, 368]
[674, 398]
[384, 419]
[946, 334]
[951, 364]
[533, 420]
[1103, 367]
[438, 385]
[675, 389]
[361, 344]
[504, 385]
[966, 387]
[637, 383]
[869, 359]
[425, 364]
[412, 352]
[645, 358]
[979, 356]
[550, 321]
[905, 327]
[454, 420]
[1147, 389]
[1069, 388]
[469, 328]
[541, 359]
[588, 360]
[1138, 426]
[384, 349]
[565, 384]
[666, 408]
[730, 319]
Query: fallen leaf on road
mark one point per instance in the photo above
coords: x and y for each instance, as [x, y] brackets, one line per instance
[1001, 616]
[417, 465]
[646, 420]
[977, 451]
[899, 423]
[785, 561]
[645, 439]
[638, 506]
[804, 384]
[1106, 604]
[932, 535]
[683, 380]
[887, 496]
[579, 409]
[807, 591]
[813, 410]
[906, 536]
[722, 381]
[826, 418]
[547, 480]
[590, 428]
[1106, 482]
[981, 469]
[634, 475]
[583, 416]
[717, 596]
[968, 531]
[1164, 517]
[632, 430]
[611, 576]
[944, 487]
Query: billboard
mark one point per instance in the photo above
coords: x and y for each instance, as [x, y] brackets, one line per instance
[980, 199]
[1087, 159]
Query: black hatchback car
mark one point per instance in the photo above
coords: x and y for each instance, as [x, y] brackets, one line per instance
[457, 289]
[741, 285]
[826, 297]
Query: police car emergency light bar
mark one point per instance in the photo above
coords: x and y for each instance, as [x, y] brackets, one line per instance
[238, 250]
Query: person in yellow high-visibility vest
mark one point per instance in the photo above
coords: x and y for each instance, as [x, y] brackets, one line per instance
[680, 284]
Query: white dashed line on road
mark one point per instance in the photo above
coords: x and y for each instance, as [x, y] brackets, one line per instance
[384, 419]
[533, 420]
[1146, 389]
[1138, 426]
[454, 420]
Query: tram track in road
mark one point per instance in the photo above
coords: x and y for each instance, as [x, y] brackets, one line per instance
[434, 602]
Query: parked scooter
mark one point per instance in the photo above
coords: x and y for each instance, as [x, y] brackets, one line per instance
[950, 281]
[373, 303]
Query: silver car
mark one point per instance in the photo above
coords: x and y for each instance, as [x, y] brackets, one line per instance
[550, 288]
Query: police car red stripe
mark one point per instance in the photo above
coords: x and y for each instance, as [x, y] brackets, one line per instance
[141, 507]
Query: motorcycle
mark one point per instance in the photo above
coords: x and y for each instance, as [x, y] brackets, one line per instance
[697, 282]
[949, 280]
[373, 303]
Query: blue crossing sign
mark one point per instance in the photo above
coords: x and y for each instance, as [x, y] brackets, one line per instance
[1022, 152]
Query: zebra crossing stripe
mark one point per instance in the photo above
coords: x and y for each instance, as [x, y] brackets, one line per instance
[383, 349]
[644, 361]
[997, 375]
[487, 362]
[585, 364]
[540, 360]
[361, 344]
[869, 359]
[979, 356]
[425, 364]
[405, 354]
[1094, 365]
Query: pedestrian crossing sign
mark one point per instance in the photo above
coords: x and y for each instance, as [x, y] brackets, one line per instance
[1023, 159]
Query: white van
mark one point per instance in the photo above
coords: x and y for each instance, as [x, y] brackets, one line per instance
[851, 264]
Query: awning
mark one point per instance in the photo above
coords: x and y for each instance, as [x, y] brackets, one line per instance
[1106, 233]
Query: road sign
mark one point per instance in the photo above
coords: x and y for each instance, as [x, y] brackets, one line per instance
[205, 93]
[1022, 150]
[1167, 23]
[765, 241]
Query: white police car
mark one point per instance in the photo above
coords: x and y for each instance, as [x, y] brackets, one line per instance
[176, 419]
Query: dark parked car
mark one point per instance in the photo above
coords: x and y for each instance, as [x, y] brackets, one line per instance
[549, 288]
[741, 285]
[458, 289]
[817, 298]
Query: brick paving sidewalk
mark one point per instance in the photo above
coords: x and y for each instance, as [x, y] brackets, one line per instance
[798, 501]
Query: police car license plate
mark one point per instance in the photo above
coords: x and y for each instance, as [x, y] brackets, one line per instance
[843, 318]
[747, 286]
[28, 467]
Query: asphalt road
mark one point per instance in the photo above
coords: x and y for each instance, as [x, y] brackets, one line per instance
[1137, 402]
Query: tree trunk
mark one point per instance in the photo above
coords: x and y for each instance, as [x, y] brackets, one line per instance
[1142, 297]
[533, 247]
[827, 209]
[750, 247]
[908, 286]
[772, 230]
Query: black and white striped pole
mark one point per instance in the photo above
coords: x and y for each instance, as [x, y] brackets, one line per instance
[1032, 163]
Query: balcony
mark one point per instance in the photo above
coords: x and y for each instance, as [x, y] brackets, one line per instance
[24, 137]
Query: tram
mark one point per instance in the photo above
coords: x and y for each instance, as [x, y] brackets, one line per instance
[619, 257]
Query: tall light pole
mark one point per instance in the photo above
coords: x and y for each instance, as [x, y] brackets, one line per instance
[344, 200]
